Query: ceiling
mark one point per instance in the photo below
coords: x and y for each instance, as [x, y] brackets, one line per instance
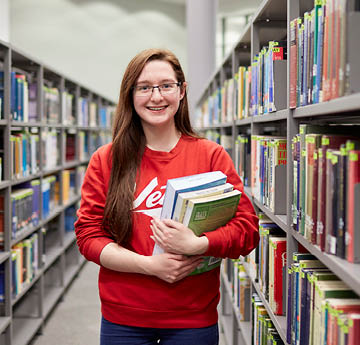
[226, 6]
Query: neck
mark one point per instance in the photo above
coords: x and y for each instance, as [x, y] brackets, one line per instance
[162, 140]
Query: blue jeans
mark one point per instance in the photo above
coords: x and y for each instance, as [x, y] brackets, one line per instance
[114, 334]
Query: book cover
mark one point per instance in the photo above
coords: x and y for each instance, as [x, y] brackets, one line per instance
[293, 62]
[354, 329]
[318, 275]
[325, 55]
[353, 216]
[277, 260]
[266, 229]
[301, 289]
[331, 221]
[324, 290]
[334, 308]
[328, 141]
[305, 129]
[312, 143]
[209, 213]
[187, 184]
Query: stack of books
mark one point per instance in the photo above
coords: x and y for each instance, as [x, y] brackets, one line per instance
[202, 202]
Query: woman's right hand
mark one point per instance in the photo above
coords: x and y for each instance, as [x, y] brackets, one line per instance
[173, 267]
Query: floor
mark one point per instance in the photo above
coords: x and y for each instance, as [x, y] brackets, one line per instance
[76, 319]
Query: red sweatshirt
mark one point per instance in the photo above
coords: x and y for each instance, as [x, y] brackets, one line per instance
[146, 301]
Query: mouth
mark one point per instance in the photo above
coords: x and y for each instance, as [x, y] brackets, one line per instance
[157, 108]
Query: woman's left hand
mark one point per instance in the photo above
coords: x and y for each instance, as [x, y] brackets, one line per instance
[176, 238]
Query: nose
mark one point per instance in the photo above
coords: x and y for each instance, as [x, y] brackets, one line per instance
[156, 94]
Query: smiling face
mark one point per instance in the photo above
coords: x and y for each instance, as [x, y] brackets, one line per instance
[157, 110]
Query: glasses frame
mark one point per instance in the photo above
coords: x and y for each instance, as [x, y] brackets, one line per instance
[178, 83]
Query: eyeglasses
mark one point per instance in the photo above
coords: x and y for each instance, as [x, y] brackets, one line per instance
[164, 89]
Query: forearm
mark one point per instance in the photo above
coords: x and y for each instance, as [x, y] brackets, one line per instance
[166, 266]
[120, 259]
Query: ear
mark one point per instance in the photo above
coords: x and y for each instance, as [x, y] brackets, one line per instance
[183, 89]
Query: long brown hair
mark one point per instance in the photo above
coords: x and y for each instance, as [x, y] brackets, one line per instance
[128, 144]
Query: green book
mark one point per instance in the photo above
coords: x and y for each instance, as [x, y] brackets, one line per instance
[183, 198]
[207, 214]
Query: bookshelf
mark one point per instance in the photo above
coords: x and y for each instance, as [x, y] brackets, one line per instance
[49, 127]
[216, 119]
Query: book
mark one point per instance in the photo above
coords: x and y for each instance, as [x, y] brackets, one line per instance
[277, 260]
[324, 290]
[300, 289]
[187, 184]
[354, 329]
[293, 62]
[332, 173]
[312, 144]
[266, 228]
[353, 216]
[333, 309]
[183, 198]
[328, 141]
[209, 213]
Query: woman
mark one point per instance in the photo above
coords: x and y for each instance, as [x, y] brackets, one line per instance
[148, 298]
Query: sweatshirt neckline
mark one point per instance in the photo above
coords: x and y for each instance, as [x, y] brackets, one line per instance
[165, 155]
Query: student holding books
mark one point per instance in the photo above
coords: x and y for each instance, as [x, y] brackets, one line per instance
[148, 298]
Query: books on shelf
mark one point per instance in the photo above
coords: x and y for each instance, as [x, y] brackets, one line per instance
[317, 302]
[24, 263]
[68, 117]
[51, 105]
[50, 141]
[25, 151]
[263, 329]
[19, 97]
[70, 146]
[239, 283]
[323, 183]
[321, 58]
[243, 158]
[268, 171]
[204, 202]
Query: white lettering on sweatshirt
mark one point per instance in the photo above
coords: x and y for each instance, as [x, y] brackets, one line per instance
[151, 198]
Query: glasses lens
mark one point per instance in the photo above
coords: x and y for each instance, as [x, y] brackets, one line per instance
[147, 90]
[168, 88]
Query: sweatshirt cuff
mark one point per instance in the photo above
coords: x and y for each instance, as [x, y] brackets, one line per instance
[95, 248]
[214, 244]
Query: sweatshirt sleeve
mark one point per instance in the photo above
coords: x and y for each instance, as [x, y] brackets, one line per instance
[241, 234]
[91, 238]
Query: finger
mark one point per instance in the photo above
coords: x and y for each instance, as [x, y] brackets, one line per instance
[154, 226]
[157, 222]
[171, 223]
[156, 237]
[187, 270]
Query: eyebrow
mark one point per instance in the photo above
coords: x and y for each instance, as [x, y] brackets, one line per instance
[161, 82]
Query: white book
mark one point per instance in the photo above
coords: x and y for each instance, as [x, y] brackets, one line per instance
[183, 198]
[187, 184]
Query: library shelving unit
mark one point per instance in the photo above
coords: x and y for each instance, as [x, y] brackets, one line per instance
[49, 127]
[272, 22]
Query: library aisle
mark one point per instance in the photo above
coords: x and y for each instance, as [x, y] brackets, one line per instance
[76, 319]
